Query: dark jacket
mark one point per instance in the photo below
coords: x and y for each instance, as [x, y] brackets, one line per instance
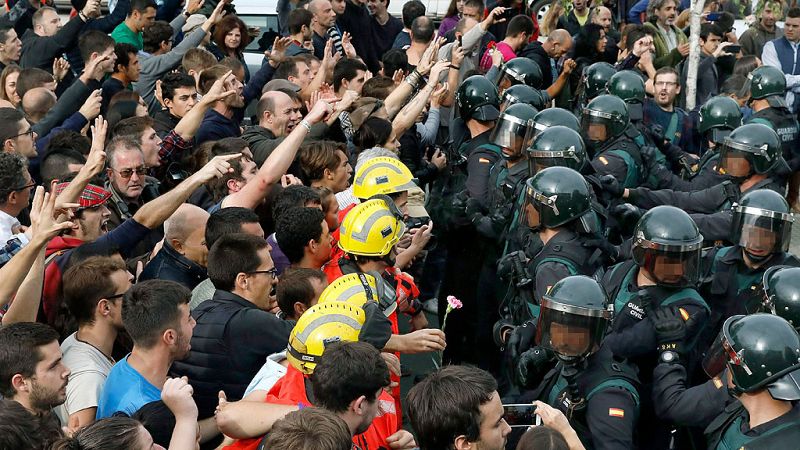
[570, 23]
[261, 142]
[170, 265]
[164, 122]
[215, 126]
[230, 343]
[111, 87]
[356, 21]
[535, 52]
[40, 51]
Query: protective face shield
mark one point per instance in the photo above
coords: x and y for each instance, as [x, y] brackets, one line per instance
[513, 134]
[721, 353]
[669, 265]
[717, 135]
[595, 127]
[569, 157]
[761, 232]
[570, 331]
[735, 163]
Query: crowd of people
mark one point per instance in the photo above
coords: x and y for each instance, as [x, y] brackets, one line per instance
[198, 252]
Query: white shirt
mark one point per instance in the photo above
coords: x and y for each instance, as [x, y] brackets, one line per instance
[268, 375]
[7, 225]
[89, 368]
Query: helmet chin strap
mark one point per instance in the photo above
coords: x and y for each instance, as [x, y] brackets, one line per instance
[757, 258]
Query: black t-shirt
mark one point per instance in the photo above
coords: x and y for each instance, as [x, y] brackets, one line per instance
[384, 35]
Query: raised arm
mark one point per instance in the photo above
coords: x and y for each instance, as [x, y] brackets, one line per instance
[278, 162]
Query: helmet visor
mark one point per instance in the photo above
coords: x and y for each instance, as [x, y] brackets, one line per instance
[722, 352]
[569, 330]
[505, 81]
[760, 231]
[669, 268]
[735, 162]
[511, 133]
[595, 128]
[565, 157]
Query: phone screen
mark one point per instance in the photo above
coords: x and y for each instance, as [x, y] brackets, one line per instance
[521, 415]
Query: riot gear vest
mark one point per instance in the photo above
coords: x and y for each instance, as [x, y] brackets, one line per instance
[626, 148]
[784, 123]
[725, 432]
[571, 253]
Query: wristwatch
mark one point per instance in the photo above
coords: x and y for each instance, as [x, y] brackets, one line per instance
[669, 357]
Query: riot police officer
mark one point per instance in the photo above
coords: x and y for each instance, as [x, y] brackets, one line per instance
[519, 71]
[593, 82]
[767, 90]
[629, 86]
[521, 93]
[555, 116]
[781, 286]
[762, 226]
[557, 201]
[604, 124]
[750, 156]
[666, 260]
[597, 392]
[467, 176]
[761, 368]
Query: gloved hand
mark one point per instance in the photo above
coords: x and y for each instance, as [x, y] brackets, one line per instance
[626, 215]
[473, 207]
[670, 326]
[520, 340]
[532, 365]
[610, 250]
[612, 186]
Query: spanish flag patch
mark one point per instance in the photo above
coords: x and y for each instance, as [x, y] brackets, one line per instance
[684, 314]
[616, 412]
[603, 160]
[483, 161]
[717, 382]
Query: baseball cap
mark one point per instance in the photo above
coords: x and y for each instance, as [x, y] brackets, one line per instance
[280, 83]
[91, 196]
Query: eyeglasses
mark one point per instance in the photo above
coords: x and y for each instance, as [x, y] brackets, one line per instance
[665, 83]
[29, 132]
[127, 173]
[30, 185]
[273, 272]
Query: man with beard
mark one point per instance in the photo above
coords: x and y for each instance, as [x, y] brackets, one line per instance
[277, 117]
[763, 31]
[156, 316]
[32, 372]
[661, 110]
[671, 44]
[225, 115]
[93, 291]
[235, 330]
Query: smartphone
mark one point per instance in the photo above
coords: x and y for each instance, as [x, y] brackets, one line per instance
[508, 14]
[733, 49]
[521, 415]
[713, 16]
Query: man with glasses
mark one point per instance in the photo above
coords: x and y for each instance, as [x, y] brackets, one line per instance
[660, 110]
[15, 194]
[235, 331]
[127, 181]
[16, 133]
[93, 290]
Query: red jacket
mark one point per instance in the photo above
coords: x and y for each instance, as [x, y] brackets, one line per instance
[291, 390]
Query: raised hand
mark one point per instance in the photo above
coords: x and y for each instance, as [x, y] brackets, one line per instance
[220, 90]
[278, 52]
[96, 160]
[44, 225]
[216, 168]
[320, 110]
[177, 396]
[91, 107]
[60, 68]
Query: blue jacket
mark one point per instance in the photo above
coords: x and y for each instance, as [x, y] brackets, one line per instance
[170, 265]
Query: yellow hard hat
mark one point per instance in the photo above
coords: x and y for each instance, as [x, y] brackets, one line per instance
[381, 175]
[371, 228]
[357, 289]
[318, 327]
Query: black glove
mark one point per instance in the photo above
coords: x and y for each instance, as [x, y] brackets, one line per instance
[610, 250]
[626, 215]
[612, 186]
[473, 208]
[520, 340]
[532, 365]
[670, 327]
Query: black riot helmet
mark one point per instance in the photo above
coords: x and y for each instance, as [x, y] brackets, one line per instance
[755, 143]
[514, 130]
[762, 224]
[556, 116]
[595, 79]
[521, 93]
[781, 285]
[667, 244]
[718, 117]
[574, 316]
[519, 70]
[761, 351]
[557, 146]
[477, 98]
[555, 197]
